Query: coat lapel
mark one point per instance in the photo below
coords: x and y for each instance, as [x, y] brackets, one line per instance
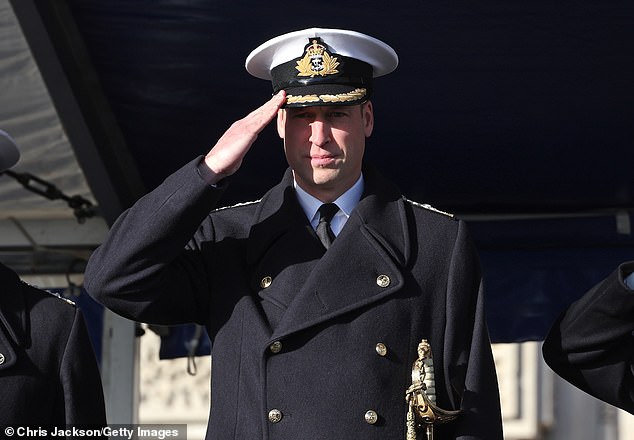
[364, 264]
[278, 213]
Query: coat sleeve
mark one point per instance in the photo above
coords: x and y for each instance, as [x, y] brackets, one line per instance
[591, 343]
[80, 379]
[471, 371]
[144, 269]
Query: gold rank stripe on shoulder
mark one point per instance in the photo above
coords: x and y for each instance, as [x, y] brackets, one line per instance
[237, 205]
[427, 207]
[55, 294]
[58, 296]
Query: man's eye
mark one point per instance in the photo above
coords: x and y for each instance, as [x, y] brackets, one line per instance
[301, 115]
[338, 114]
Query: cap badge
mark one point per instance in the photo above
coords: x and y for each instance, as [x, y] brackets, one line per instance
[317, 61]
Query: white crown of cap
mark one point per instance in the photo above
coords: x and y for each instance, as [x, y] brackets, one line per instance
[287, 47]
[9, 153]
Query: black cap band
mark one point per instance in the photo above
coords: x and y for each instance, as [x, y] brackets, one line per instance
[320, 77]
[351, 72]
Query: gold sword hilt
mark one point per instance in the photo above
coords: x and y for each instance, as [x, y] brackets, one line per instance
[421, 397]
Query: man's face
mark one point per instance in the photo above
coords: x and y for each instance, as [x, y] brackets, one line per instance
[324, 146]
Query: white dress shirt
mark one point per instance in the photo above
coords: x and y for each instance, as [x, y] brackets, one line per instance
[346, 203]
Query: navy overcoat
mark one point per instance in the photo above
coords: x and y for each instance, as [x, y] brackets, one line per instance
[48, 372]
[592, 344]
[307, 343]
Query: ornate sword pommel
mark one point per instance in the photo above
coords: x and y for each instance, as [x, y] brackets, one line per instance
[421, 396]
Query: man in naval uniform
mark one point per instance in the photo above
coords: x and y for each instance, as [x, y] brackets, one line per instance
[312, 338]
[591, 344]
[48, 372]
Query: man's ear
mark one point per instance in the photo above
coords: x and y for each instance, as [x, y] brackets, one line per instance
[281, 123]
[367, 112]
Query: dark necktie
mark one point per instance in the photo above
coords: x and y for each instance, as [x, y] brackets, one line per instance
[326, 212]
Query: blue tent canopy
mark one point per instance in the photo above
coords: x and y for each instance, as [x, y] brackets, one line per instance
[498, 109]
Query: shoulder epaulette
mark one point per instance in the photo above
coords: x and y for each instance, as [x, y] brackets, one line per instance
[58, 296]
[55, 294]
[427, 207]
[237, 205]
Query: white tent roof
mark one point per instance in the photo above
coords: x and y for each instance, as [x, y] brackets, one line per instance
[29, 221]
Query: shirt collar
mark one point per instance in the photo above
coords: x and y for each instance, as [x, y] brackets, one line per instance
[346, 202]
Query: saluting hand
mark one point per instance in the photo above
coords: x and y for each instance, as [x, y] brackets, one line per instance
[226, 156]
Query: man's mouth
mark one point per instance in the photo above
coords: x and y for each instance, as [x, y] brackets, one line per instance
[322, 160]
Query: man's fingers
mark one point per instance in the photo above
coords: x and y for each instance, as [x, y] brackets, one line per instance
[226, 156]
[261, 117]
[253, 123]
[275, 103]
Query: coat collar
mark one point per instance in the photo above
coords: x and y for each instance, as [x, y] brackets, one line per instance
[373, 247]
[381, 208]
[278, 213]
[13, 316]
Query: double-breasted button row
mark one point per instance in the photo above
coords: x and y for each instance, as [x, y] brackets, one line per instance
[381, 281]
[371, 416]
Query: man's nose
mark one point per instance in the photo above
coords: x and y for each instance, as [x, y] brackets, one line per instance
[320, 132]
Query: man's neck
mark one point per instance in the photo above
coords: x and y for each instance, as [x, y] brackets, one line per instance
[346, 201]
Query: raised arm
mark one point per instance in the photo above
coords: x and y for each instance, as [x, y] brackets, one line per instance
[591, 343]
[143, 270]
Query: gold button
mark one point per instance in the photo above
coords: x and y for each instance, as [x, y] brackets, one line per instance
[381, 349]
[383, 280]
[275, 415]
[266, 282]
[371, 417]
[275, 347]
[1, 359]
